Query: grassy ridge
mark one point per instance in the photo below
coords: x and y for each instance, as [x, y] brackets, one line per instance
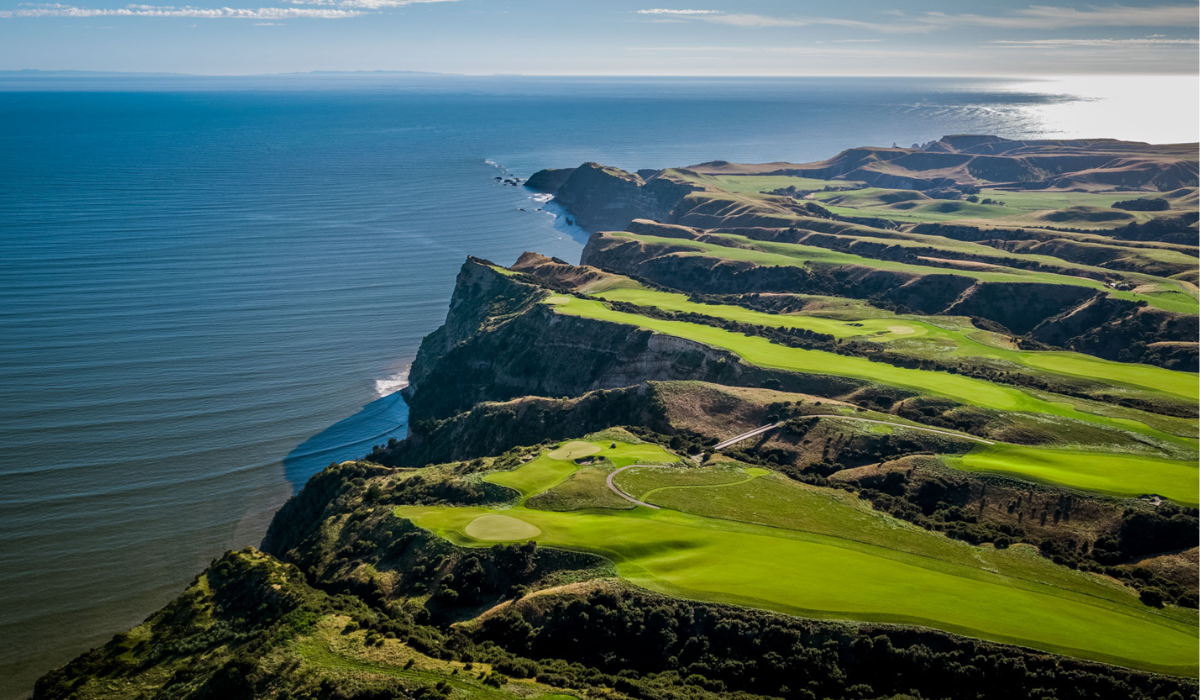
[1168, 297]
[762, 352]
[1172, 479]
[803, 571]
[1118, 475]
[1073, 364]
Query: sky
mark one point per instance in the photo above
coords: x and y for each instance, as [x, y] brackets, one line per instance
[604, 37]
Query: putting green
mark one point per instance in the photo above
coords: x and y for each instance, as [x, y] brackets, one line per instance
[500, 528]
[552, 468]
[575, 450]
[803, 551]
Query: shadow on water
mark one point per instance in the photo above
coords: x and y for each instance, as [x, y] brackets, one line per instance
[350, 438]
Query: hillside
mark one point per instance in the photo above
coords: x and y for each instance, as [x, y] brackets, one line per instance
[758, 445]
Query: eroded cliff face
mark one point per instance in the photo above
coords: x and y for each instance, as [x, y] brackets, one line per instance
[541, 353]
[1069, 316]
[603, 198]
[499, 344]
[483, 298]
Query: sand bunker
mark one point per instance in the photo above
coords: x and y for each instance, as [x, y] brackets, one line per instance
[902, 330]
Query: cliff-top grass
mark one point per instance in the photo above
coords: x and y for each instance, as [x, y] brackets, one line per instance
[760, 351]
[961, 341]
[749, 537]
[1165, 295]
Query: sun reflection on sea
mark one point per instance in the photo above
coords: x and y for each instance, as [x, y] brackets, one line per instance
[1152, 108]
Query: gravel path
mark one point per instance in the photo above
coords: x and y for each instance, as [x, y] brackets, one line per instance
[624, 495]
[762, 429]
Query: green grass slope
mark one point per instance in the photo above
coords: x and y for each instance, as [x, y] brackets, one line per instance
[890, 328]
[868, 568]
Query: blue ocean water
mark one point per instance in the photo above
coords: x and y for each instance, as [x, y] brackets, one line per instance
[212, 288]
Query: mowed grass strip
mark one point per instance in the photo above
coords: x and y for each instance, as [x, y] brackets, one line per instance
[1117, 475]
[760, 351]
[797, 255]
[1175, 477]
[816, 576]
[1179, 384]
[551, 468]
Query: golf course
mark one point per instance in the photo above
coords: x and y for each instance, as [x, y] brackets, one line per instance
[745, 536]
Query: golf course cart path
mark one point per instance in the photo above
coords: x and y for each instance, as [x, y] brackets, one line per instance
[746, 436]
[762, 429]
[624, 495]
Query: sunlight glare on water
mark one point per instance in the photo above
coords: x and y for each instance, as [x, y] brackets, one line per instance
[1116, 107]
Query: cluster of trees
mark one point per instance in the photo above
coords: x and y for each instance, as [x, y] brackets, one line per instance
[648, 643]
[928, 503]
[1143, 204]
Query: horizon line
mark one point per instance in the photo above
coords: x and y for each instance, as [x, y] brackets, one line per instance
[50, 72]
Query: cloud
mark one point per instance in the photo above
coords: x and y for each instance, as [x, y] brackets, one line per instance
[367, 4]
[719, 17]
[60, 10]
[679, 12]
[1093, 43]
[751, 21]
[1031, 17]
[1052, 17]
[334, 9]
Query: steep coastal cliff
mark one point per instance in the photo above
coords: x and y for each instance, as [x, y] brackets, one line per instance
[621, 476]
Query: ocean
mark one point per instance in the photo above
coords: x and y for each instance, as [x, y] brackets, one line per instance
[211, 288]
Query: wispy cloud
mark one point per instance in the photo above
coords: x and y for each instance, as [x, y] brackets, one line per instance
[1032, 17]
[752, 21]
[330, 9]
[367, 4]
[60, 10]
[679, 12]
[719, 17]
[1094, 43]
[1052, 17]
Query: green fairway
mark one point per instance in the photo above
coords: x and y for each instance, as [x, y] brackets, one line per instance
[869, 568]
[1013, 207]
[877, 328]
[1168, 297]
[552, 468]
[760, 351]
[1119, 475]
[1178, 384]
[757, 184]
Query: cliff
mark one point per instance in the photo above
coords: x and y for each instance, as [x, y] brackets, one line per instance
[603, 198]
